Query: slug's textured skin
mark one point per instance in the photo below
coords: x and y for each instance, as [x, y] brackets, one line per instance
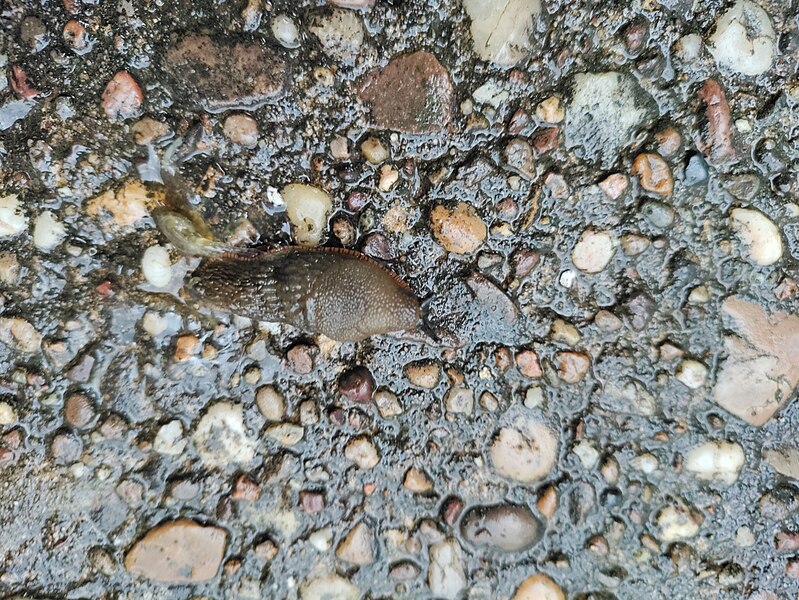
[340, 293]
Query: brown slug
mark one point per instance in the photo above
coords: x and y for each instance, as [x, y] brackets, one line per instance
[340, 293]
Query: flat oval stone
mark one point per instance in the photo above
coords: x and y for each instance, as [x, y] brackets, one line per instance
[505, 527]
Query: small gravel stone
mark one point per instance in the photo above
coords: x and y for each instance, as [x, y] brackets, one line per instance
[374, 151]
[169, 440]
[445, 575]
[634, 244]
[286, 434]
[220, 436]
[692, 374]
[518, 155]
[241, 130]
[285, 31]
[653, 174]
[387, 403]
[614, 185]
[12, 219]
[458, 230]
[572, 366]
[178, 552]
[417, 481]
[539, 587]
[65, 448]
[587, 453]
[48, 232]
[329, 587]
[550, 110]
[358, 546]
[717, 145]
[413, 93]
[312, 501]
[528, 364]
[719, 461]
[340, 32]
[404, 570]
[459, 400]
[245, 489]
[525, 452]
[676, 523]
[501, 32]
[744, 40]
[357, 385]
[271, 403]
[8, 416]
[593, 251]
[362, 452]
[301, 358]
[759, 235]
[147, 130]
[79, 411]
[19, 335]
[424, 373]
[122, 98]
[505, 527]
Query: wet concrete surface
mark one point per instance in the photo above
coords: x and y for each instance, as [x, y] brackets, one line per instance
[596, 204]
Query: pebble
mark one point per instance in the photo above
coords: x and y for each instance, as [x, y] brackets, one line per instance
[127, 206]
[692, 374]
[758, 234]
[48, 232]
[12, 219]
[744, 40]
[459, 400]
[357, 547]
[362, 452]
[659, 214]
[607, 321]
[459, 230]
[784, 460]
[271, 403]
[322, 540]
[761, 368]
[357, 385]
[594, 251]
[286, 434]
[76, 37]
[340, 148]
[445, 575]
[501, 31]
[676, 523]
[525, 453]
[528, 364]
[605, 110]
[147, 130]
[308, 208]
[572, 366]
[424, 373]
[8, 416]
[66, 448]
[550, 110]
[719, 461]
[156, 266]
[518, 155]
[717, 144]
[614, 185]
[417, 481]
[220, 436]
[329, 587]
[387, 404]
[633, 244]
[374, 151]
[312, 502]
[218, 75]
[653, 174]
[186, 347]
[169, 440]
[413, 94]
[178, 552]
[285, 31]
[18, 334]
[340, 32]
[122, 98]
[300, 358]
[241, 130]
[587, 453]
[505, 527]
[79, 411]
[404, 570]
[539, 587]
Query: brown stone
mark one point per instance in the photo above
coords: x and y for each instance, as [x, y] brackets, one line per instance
[459, 230]
[654, 174]
[528, 364]
[219, 75]
[122, 97]
[413, 93]
[614, 185]
[717, 144]
[181, 551]
[300, 358]
[312, 501]
[246, 489]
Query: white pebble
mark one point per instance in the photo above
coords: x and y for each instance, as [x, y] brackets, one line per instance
[759, 234]
[689, 47]
[47, 232]
[692, 374]
[156, 266]
[169, 440]
[321, 539]
[744, 39]
[716, 461]
[676, 523]
[501, 30]
[221, 438]
[525, 452]
[587, 453]
[12, 221]
[285, 31]
[340, 32]
[307, 208]
[646, 463]
[7, 414]
[593, 251]
[154, 324]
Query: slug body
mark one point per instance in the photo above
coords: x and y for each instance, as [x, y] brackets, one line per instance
[340, 293]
